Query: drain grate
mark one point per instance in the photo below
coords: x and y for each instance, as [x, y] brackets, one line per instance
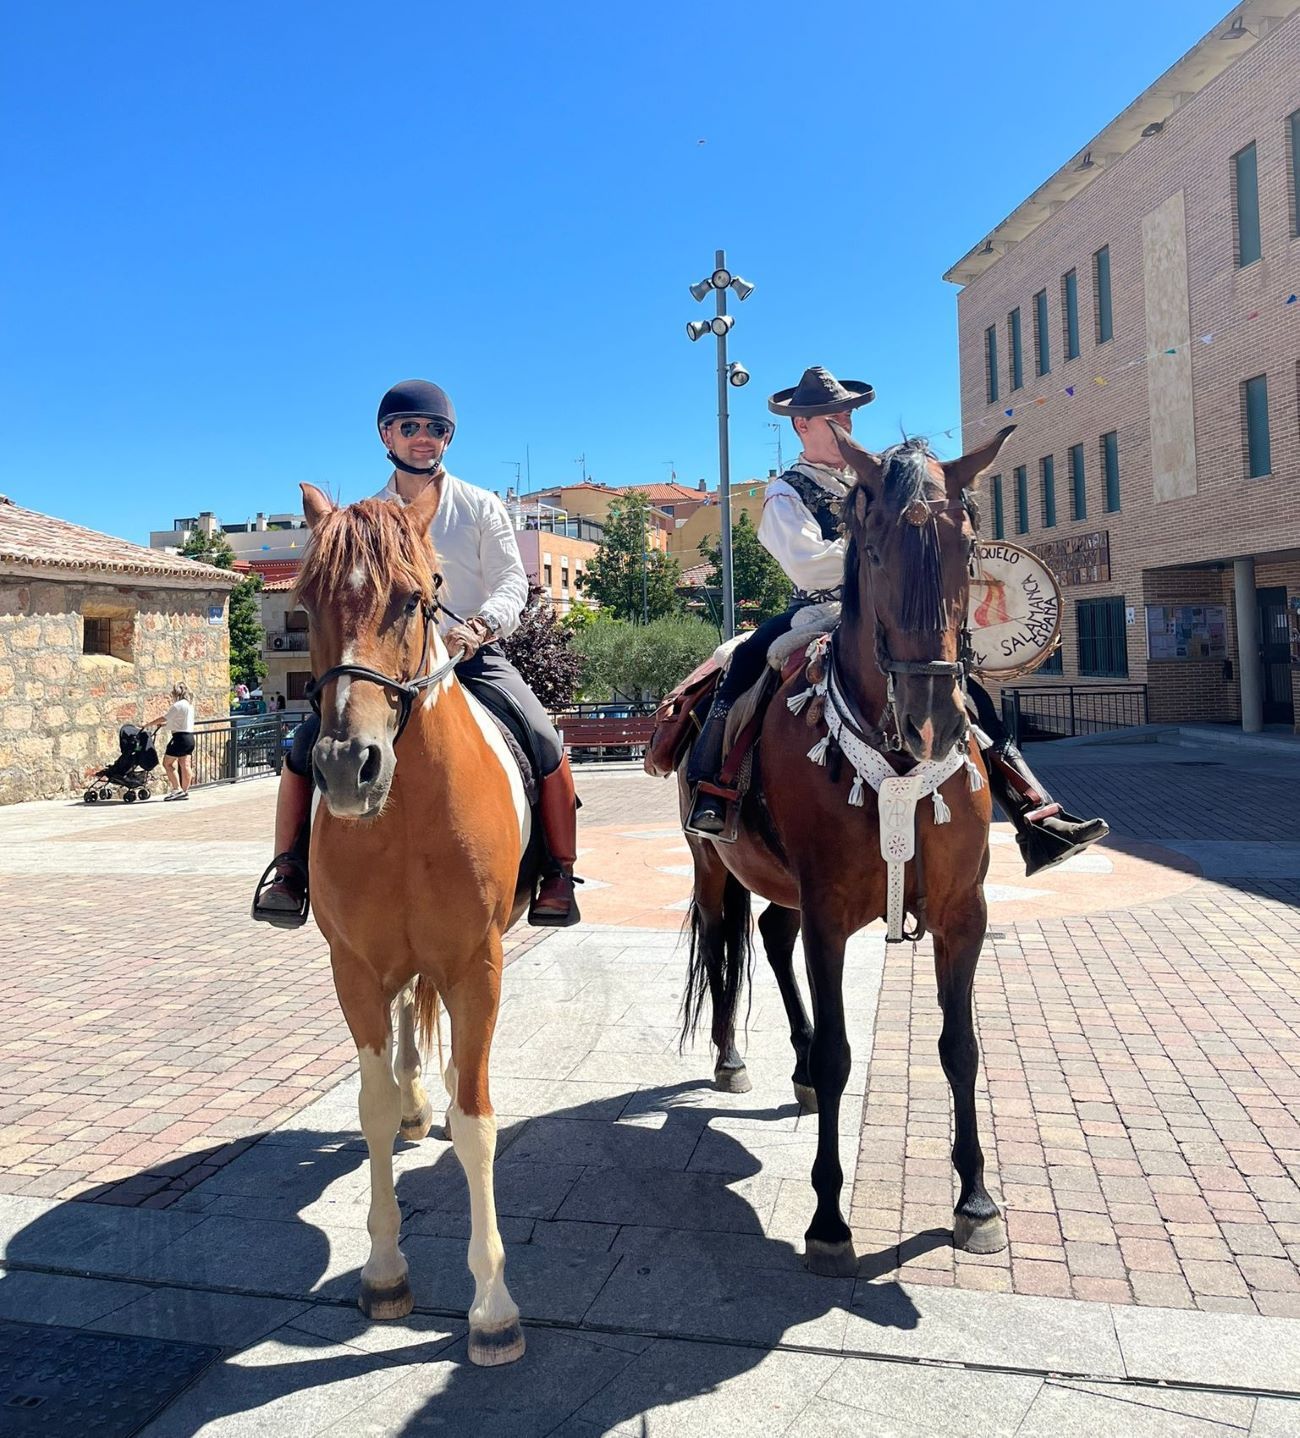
[60, 1381]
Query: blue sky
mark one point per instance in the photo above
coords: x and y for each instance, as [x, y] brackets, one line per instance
[231, 227]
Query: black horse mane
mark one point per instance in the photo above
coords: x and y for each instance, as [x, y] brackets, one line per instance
[906, 470]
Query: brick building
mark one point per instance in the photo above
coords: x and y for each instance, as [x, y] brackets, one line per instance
[94, 631]
[1137, 318]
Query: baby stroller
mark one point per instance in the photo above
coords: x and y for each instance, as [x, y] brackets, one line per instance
[128, 774]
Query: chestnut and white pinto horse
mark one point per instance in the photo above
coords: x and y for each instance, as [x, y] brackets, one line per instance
[415, 871]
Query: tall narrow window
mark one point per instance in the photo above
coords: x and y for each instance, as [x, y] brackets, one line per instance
[1047, 476]
[1042, 345]
[1078, 487]
[991, 363]
[1254, 401]
[1245, 184]
[1293, 127]
[1101, 294]
[1022, 499]
[1070, 306]
[1110, 468]
[1103, 638]
[999, 526]
[1017, 357]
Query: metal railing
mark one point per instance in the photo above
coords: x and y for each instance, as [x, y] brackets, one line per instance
[241, 747]
[1063, 711]
[286, 641]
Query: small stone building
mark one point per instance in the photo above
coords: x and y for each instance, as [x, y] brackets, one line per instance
[94, 631]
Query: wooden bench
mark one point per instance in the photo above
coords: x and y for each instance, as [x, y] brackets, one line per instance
[583, 734]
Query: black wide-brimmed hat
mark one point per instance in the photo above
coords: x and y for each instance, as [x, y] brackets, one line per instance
[819, 392]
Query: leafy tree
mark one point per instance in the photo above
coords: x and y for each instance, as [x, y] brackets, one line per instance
[542, 650]
[760, 585]
[614, 574]
[246, 634]
[641, 660]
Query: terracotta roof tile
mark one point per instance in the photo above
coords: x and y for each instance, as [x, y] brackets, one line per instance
[41, 541]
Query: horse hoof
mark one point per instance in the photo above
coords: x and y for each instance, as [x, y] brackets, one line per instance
[806, 1097]
[492, 1347]
[419, 1126]
[979, 1235]
[732, 1080]
[830, 1260]
[380, 1304]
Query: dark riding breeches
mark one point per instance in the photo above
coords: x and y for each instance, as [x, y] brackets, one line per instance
[748, 658]
[488, 668]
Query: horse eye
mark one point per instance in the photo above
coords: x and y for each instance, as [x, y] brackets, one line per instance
[413, 603]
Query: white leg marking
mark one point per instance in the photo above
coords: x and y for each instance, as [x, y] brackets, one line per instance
[476, 1145]
[381, 1114]
[449, 1082]
[409, 1068]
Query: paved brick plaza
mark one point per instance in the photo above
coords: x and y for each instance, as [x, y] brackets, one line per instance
[1140, 1025]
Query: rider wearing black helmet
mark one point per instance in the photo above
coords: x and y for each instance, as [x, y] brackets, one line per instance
[484, 581]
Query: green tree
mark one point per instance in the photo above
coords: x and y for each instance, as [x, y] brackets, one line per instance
[246, 634]
[760, 584]
[626, 576]
[543, 652]
[635, 661]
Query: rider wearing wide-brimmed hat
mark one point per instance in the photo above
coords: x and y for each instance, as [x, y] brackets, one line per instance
[801, 529]
[484, 592]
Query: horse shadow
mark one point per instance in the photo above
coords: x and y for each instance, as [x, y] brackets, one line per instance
[638, 1251]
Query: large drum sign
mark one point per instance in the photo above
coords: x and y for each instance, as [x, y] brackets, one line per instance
[1015, 611]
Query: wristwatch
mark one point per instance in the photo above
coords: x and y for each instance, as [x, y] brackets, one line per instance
[482, 627]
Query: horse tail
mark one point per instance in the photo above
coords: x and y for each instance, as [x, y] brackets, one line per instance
[721, 957]
[427, 1010]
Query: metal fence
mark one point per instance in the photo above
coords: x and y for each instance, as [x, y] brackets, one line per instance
[1062, 711]
[241, 747]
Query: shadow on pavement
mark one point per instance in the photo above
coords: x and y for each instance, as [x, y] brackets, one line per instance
[616, 1252]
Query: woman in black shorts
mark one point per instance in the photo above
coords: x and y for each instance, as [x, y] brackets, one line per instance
[179, 721]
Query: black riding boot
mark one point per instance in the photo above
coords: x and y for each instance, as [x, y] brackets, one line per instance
[709, 811]
[1047, 835]
[281, 895]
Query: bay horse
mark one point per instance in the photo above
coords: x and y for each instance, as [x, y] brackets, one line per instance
[808, 838]
[415, 871]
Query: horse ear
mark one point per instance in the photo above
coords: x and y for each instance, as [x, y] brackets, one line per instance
[964, 473]
[315, 504]
[424, 506]
[861, 461]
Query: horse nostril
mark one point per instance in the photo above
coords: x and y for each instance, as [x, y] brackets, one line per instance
[370, 768]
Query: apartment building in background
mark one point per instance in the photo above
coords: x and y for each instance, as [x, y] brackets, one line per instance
[1137, 319]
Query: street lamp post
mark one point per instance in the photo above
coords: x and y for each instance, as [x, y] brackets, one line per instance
[719, 281]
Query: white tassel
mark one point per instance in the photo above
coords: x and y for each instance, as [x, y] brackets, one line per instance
[857, 794]
[796, 702]
[819, 750]
[941, 811]
[973, 775]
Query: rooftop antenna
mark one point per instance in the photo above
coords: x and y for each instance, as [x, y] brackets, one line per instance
[775, 427]
[582, 461]
[672, 469]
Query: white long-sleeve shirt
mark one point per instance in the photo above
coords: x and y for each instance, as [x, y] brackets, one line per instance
[477, 553]
[791, 535]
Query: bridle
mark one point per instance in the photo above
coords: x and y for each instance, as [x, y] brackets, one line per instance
[407, 690]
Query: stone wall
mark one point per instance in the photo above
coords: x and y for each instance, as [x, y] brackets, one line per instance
[60, 708]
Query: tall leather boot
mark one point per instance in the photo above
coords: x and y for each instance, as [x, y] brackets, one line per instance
[555, 905]
[708, 814]
[1046, 834]
[281, 896]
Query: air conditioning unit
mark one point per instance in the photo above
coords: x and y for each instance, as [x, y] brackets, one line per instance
[279, 642]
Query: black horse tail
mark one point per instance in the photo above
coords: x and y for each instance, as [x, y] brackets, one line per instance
[721, 958]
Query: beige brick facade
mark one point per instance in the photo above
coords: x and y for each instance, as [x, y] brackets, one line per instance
[1164, 206]
[66, 591]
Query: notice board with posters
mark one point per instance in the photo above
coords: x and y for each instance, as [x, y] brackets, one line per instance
[1187, 631]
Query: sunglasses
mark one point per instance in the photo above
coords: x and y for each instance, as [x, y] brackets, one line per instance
[438, 428]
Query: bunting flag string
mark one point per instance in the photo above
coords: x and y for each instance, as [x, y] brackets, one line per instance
[1101, 380]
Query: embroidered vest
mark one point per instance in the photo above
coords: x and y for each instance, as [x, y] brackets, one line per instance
[823, 506]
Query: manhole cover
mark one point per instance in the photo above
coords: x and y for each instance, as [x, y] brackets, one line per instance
[61, 1381]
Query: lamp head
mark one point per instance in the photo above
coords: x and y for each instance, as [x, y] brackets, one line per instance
[700, 289]
[737, 374]
[696, 329]
[720, 279]
[720, 324]
[743, 288]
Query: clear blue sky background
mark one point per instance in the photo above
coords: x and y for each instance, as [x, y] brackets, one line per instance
[229, 228]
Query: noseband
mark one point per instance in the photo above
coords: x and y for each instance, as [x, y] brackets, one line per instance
[407, 690]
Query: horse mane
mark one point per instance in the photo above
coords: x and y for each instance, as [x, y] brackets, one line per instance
[374, 538]
[905, 468]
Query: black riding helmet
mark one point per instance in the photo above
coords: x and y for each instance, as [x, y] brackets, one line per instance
[415, 398]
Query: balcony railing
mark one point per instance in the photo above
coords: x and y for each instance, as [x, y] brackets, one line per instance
[286, 641]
